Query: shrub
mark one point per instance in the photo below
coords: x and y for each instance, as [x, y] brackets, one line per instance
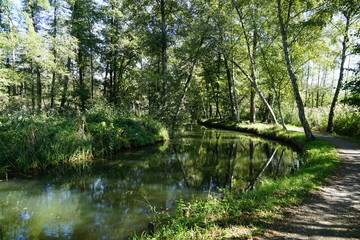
[36, 141]
[346, 122]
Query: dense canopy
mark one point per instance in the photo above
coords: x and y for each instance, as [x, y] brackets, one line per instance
[180, 60]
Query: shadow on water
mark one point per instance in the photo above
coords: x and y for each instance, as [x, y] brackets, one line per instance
[111, 197]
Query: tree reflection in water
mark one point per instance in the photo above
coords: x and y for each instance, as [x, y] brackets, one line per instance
[111, 198]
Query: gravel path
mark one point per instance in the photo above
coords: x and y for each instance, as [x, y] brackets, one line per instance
[333, 212]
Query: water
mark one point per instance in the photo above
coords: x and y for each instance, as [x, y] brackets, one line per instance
[111, 199]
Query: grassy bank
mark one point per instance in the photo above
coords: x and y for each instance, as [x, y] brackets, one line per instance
[242, 214]
[29, 141]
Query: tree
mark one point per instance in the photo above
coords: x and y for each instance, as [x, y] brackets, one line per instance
[83, 19]
[354, 85]
[9, 42]
[251, 38]
[349, 9]
[284, 27]
[36, 44]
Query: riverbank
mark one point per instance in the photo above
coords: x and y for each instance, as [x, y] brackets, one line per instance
[36, 141]
[332, 212]
[243, 214]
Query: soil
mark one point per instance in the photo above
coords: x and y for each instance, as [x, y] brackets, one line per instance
[333, 211]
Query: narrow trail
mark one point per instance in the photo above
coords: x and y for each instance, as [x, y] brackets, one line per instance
[333, 211]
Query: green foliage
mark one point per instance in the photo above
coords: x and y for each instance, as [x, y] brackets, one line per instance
[218, 215]
[354, 98]
[346, 121]
[36, 141]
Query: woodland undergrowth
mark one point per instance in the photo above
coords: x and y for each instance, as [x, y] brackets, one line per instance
[36, 141]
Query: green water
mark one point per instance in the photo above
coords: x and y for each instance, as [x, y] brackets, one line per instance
[111, 199]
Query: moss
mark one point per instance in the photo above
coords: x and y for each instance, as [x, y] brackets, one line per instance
[248, 211]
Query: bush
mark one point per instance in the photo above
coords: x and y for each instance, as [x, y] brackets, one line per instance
[346, 122]
[36, 141]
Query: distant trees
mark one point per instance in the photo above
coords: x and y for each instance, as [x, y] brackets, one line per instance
[349, 10]
[176, 60]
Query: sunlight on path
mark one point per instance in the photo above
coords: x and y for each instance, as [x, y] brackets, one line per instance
[333, 212]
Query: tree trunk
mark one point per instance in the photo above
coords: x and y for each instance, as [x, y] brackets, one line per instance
[32, 86]
[187, 83]
[164, 53]
[65, 85]
[293, 78]
[105, 79]
[52, 97]
[81, 82]
[259, 92]
[252, 105]
[278, 96]
[229, 80]
[318, 90]
[330, 126]
[323, 86]
[276, 91]
[92, 74]
[252, 76]
[114, 90]
[233, 79]
[236, 101]
[266, 113]
[182, 98]
[52, 94]
[111, 81]
[38, 87]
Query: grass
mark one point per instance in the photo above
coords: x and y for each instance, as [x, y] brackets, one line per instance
[351, 139]
[243, 214]
[36, 141]
[346, 122]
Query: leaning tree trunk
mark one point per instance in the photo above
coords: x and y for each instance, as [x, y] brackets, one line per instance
[259, 92]
[293, 78]
[187, 83]
[276, 91]
[330, 126]
[252, 76]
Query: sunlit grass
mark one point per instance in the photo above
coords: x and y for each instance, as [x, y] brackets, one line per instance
[29, 141]
[242, 214]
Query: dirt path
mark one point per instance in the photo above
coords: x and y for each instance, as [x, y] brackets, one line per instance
[333, 212]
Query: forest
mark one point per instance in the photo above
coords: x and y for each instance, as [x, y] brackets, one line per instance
[66, 64]
[87, 79]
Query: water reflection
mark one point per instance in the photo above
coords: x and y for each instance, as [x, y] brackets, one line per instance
[112, 198]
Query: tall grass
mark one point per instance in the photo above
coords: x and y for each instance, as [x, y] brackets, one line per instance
[30, 141]
[346, 122]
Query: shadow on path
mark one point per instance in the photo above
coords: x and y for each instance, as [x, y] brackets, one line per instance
[332, 212]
